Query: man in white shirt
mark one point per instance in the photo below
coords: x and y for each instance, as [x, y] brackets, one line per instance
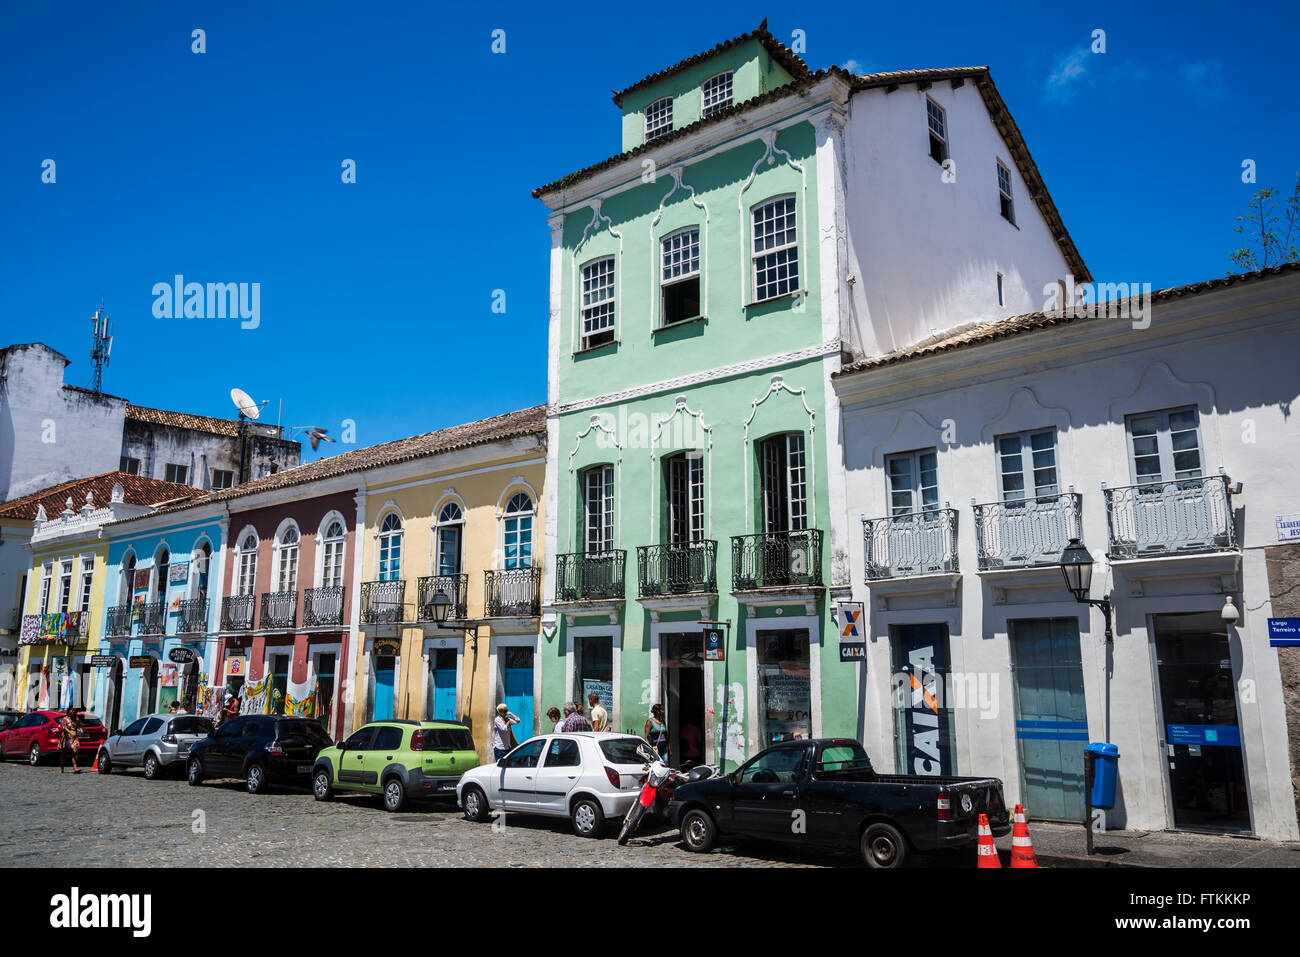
[599, 716]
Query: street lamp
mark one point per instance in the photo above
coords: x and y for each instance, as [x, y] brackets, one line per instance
[441, 606]
[1076, 566]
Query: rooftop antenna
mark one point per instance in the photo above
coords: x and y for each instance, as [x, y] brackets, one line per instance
[248, 409]
[101, 345]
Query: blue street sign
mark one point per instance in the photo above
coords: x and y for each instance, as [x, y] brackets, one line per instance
[1284, 631]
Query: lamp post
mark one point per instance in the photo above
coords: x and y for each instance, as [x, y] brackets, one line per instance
[1076, 567]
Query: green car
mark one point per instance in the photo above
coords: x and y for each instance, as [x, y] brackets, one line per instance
[398, 759]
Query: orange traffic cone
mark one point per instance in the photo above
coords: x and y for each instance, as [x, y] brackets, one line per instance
[1022, 849]
[95, 765]
[988, 853]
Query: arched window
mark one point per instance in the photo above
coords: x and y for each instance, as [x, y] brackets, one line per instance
[390, 548]
[162, 563]
[451, 522]
[332, 556]
[126, 584]
[518, 531]
[202, 563]
[247, 564]
[286, 575]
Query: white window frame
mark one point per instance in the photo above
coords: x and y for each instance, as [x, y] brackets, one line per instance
[773, 253]
[915, 490]
[719, 102]
[1027, 467]
[286, 557]
[604, 492]
[47, 587]
[933, 111]
[451, 522]
[1006, 193]
[67, 570]
[517, 515]
[384, 540]
[609, 321]
[246, 583]
[87, 583]
[793, 452]
[216, 472]
[658, 118]
[665, 280]
[182, 470]
[1164, 446]
[333, 551]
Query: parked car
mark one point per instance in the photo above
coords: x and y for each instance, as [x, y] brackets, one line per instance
[154, 742]
[828, 787]
[585, 776]
[400, 759]
[263, 749]
[36, 735]
[8, 719]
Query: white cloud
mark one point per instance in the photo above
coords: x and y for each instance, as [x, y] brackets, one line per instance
[855, 67]
[1069, 71]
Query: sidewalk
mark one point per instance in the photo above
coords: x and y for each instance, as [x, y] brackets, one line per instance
[1064, 845]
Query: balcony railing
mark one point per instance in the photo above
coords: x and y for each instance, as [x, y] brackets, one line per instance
[279, 609]
[513, 592]
[237, 613]
[912, 543]
[193, 617]
[453, 586]
[1032, 531]
[151, 618]
[590, 576]
[1180, 517]
[776, 559]
[677, 569]
[382, 602]
[322, 606]
[117, 621]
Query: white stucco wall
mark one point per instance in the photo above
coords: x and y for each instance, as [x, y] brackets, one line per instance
[1228, 352]
[926, 253]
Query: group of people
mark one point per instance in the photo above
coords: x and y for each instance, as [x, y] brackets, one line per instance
[574, 718]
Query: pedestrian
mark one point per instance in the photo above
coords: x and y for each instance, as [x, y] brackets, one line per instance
[573, 719]
[231, 710]
[181, 709]
[555, 716]
[503, 739]
[69, 727]
[656, 730]
[599, 716]
[171, 708]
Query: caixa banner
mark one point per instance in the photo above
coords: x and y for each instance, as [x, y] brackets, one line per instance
[923, 721]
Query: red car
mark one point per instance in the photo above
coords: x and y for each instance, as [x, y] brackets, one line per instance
[36, 736]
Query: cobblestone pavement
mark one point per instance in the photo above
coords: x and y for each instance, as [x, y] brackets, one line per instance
[48, 819]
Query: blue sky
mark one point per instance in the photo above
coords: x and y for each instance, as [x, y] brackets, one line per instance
[376, 297]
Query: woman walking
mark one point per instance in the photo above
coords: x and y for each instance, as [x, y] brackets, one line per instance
[656, 731]
[69, 727]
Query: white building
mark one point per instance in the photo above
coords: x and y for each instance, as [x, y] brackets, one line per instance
[1167, 444]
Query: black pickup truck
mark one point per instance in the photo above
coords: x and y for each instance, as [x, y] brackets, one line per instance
[824, 791]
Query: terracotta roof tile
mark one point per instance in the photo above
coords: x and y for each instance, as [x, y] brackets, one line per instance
[137, 490]
[183, 420]
[495, 429]
[970, 335]
[792, 63]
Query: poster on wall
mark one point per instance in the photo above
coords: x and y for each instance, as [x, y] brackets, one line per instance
[141, 582]
[236, 666]
[604, 689]
[179, 573]
[167, 676]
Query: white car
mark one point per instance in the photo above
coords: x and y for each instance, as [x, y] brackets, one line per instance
[589, 777]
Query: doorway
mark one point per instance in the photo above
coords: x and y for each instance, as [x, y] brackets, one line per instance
[923, 717]
[150, 680]
[113, 713]
[323, 703]
[1051, 717]
[279, 682]
[517, 688]
[442, 685]
[682, 680]
[385, 673]
[1202, 738]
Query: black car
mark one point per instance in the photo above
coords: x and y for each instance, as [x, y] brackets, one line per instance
[263, 749]
[824, 791]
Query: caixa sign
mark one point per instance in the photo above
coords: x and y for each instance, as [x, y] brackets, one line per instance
[181, 656]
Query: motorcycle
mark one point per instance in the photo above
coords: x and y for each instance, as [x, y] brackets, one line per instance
[657, 790]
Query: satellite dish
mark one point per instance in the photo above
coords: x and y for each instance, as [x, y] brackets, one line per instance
[245, 404]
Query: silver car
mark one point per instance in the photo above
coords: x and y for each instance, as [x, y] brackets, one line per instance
[154, 742]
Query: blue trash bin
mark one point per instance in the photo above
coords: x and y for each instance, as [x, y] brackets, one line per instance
[1105, 773]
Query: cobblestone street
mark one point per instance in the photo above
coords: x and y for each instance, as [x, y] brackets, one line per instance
[54, 820]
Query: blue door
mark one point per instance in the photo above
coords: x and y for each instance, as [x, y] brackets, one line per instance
[1051, 719]
[443, 686]
[382, 709]
[518, 690]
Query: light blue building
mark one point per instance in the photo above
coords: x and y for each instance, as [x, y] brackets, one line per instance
[161, 602]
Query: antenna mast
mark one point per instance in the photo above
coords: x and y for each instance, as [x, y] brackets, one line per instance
[101, 345]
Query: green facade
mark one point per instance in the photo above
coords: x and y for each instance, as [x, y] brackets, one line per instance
[717, 387]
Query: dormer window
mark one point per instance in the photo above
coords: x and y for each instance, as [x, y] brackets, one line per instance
[716, 92]
[937, 120]
[658, 118]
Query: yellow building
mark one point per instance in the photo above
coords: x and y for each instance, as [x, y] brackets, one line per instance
[63, 605]
[453, 519]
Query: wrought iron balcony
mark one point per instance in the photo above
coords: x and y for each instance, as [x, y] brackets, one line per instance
[117, 621]
[590, 576]
[193, 617]
[453, 586]
[677, 569]
[513, 593]
[151, 618]
[237, 613]
[776, 560]
[911, 543]
[382, 602]
[1032, 531]
[322, 606]
[1185, 516]
[279, 609]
